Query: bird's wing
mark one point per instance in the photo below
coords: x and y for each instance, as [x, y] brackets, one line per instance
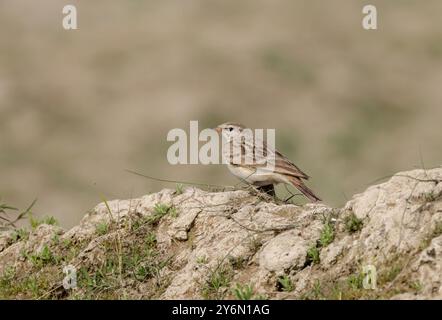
[285, 166]
[261, 154]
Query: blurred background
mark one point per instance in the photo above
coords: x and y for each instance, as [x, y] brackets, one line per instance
[77, 108]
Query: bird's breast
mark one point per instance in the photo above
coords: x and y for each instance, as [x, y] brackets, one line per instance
[254, 176]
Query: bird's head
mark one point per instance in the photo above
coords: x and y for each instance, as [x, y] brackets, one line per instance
[230, 130]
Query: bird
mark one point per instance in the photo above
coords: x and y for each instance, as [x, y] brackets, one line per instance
[257, 172]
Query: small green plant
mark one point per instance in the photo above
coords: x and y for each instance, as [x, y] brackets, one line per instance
[143, 272]
[32, 285]
[46, 254]
[55, 239]
[218, 279]
[102, 228]
[151, 240]
[179, 189]
[137, 224]
[43, 257]
[353, 223]
[317, 290]
[173, 212]
[67, 242]
[286, 283]
[202, 260]
[161, 209]
[35, 222]
[430, 197]
[327, 234]
[7, 277]
[313, 255]
[148, 266]
[50, 220]
[20, 234]
[243, 292]
[391, 273]
[416, 286]
[355, 281]
[84, 279]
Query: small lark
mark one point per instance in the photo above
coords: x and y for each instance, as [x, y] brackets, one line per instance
[257, 172]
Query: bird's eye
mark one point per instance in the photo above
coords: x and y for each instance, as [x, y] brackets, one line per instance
[230, 128]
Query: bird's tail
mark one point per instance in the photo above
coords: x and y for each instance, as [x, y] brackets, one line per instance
[298, 184]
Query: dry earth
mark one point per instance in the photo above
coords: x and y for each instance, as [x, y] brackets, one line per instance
[192, 244]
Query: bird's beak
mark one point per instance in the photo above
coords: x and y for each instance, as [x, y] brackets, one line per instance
[218, 129]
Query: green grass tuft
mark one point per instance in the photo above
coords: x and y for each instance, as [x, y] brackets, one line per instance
[313, 255]
[150, 240]
[218, 280]
[243, 292]
[355, 281]
[286, 283]
[102, 228]
[161, 209]
[43, 258]
[179, 189]
[35, 222]
[327, 234]
[353, 223]
[202, 260]
[20, 234]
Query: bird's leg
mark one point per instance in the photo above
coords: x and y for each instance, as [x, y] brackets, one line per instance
[268, 189]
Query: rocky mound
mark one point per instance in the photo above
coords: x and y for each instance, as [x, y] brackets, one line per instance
[191, 244]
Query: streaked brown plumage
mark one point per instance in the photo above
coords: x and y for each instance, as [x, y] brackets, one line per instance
[257, 172]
